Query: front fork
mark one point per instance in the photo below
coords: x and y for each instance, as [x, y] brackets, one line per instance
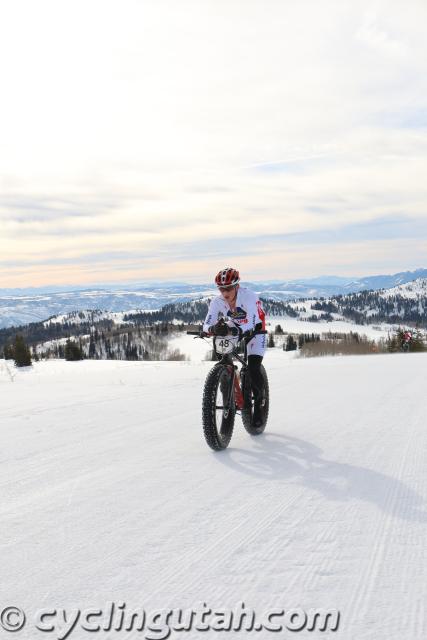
[237, 387]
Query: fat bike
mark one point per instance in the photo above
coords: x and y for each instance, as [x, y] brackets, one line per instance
[228, 391]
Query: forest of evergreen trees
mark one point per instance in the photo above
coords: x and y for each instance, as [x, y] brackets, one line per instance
[369, 307]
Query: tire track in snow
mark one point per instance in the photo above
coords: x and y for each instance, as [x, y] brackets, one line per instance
[265, 523]
[359, 602]
[409, 619]
[198, 556]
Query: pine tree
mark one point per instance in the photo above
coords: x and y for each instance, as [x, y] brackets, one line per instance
[271, 342]
[21, 352]
[291, 344]
[72, 350]
[394, 343]
[92, 346]
[8, 352]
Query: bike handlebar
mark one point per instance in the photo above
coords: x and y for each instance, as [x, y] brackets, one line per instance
[247, 335]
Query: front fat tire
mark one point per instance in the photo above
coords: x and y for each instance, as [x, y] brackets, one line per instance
[217, 430]
[247, 411]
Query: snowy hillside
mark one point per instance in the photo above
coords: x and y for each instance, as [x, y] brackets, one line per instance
[110, 303]
[15, 310]
[109, 493]
[413, 290]
[90, 316]
[405, 304]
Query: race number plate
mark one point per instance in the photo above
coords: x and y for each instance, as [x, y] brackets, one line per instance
[225, 345]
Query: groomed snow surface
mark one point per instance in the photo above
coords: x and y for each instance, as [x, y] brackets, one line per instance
[109, 493]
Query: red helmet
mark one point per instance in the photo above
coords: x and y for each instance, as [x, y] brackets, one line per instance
[227, 277]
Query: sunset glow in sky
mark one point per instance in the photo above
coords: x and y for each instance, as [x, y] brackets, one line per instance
[155, 139]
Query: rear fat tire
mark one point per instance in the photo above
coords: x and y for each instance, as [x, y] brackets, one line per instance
[247, 411]
[217, 428]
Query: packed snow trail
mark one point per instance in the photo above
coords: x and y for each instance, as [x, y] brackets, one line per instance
[109, 493]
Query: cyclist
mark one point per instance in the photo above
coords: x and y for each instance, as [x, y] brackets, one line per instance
[234, 311]
[406, 341]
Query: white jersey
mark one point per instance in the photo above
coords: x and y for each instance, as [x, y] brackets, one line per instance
[248, 314]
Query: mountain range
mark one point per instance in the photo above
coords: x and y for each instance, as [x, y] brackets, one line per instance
[20, 306]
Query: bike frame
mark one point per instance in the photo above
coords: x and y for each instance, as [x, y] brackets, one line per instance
[227, 361]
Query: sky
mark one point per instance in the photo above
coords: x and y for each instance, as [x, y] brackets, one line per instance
[156, 139]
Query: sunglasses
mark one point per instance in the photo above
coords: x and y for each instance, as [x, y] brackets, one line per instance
[229, 288]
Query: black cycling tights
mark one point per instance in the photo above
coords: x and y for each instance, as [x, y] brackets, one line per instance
[257, 381]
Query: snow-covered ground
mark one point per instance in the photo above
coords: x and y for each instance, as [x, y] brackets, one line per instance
[109, 493]
[196, 349]
[295, 325]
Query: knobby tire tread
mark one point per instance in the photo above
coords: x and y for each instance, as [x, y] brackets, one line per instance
[210, 427]
[247, 411]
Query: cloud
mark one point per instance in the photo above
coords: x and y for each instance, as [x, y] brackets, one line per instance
[178, 126]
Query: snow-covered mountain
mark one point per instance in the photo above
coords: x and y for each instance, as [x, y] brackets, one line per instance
[412, 290]
[404, 304]
[16, 310]
[31, 305]
[110, 488]
[327, 286]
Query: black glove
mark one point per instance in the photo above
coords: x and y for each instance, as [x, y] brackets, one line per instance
[220, 329]
[236, 331]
